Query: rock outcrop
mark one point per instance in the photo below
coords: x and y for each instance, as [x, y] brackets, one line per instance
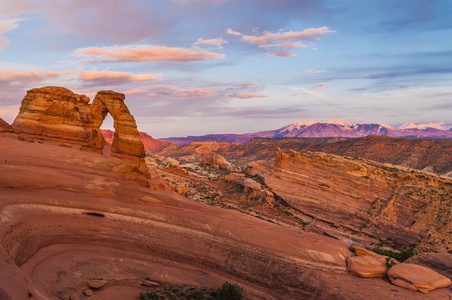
[59, 114]
[53, 112]
[5, 127]
[368, 264]
[417, 278]
[362, 201]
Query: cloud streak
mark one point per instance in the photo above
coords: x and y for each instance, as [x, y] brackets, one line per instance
[26, 77]
[143, 53]
[5, 26]
[169, 91]
[218, 42]
[283, 40]
[106, 77]
[247, 96]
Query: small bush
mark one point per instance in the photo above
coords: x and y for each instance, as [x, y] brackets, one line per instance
[230, 291]
[400, 256]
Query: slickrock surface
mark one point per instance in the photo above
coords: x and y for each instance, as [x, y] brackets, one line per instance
[440, 262]
[362, 201]
[417, 278]
[65, 219]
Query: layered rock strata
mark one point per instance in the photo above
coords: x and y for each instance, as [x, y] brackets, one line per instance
[362, 201]
[58, 113]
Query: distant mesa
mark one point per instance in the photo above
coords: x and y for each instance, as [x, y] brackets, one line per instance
[57, 113]
[5, 127]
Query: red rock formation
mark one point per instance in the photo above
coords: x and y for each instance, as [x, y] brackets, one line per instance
[53, 112]
[5, 127]
[58, 113]
[361, 200]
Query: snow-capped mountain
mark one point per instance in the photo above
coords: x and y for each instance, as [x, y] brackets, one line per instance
[332, 128]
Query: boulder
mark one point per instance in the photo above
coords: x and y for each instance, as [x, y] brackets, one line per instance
[368, 264]
[439, 262]
[96, 283]
[417, 278]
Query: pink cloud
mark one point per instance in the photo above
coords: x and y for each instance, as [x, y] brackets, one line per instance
[218, 42]
[247, 96]
[232, 32]
[321, 85]
[106, 77]
[284, 40]
[171, 91]
[280, 54]
[311, 71]
[26, 77]
[145, 53]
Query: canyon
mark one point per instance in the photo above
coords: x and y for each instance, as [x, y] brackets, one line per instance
[76, 211]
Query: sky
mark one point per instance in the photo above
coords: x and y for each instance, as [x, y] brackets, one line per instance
[194, 67]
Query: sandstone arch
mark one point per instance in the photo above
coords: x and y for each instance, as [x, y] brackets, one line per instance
[126, 140]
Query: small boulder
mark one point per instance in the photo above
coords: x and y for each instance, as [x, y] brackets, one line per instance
[88, 293]
[149, 283]
[417, 278]
[96, 283]
[181, 190]
[368, 264]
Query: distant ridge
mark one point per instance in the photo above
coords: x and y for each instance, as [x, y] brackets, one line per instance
[333, 128]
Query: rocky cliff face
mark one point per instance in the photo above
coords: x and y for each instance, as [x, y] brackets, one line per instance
[58, 113]
[5, 127]
[362, 201]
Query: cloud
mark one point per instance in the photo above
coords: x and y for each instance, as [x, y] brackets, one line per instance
[243, 85]
[284, 40]
[247, 96]
[218, 42]
[312, 71]
[5, 26]
[232, 32]
[142, 53]
[106, 77]
[26, 77]
[280, 54]
[321, 85]
[171, 92]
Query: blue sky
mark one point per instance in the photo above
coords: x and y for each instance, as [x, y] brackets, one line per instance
[191, 67]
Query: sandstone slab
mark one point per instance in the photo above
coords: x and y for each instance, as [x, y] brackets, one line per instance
[417, 278]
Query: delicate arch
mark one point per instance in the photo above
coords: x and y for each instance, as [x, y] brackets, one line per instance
[126, 139]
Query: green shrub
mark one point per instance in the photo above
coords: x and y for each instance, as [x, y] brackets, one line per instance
[400, 256]
[230, 291]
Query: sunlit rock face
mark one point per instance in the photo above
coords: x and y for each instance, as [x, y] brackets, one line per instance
[59, 114]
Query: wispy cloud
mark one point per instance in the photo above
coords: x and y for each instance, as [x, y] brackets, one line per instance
[5, 26]
[232, 32]
[171, 91]
[218, 42]
[26, 77]
[247, 96]
[280, 54]
[106, 77]
[284, 40]
[321, 85]
[142, 53]
[312, 71]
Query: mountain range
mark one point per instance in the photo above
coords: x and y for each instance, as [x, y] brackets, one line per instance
[326, 129]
